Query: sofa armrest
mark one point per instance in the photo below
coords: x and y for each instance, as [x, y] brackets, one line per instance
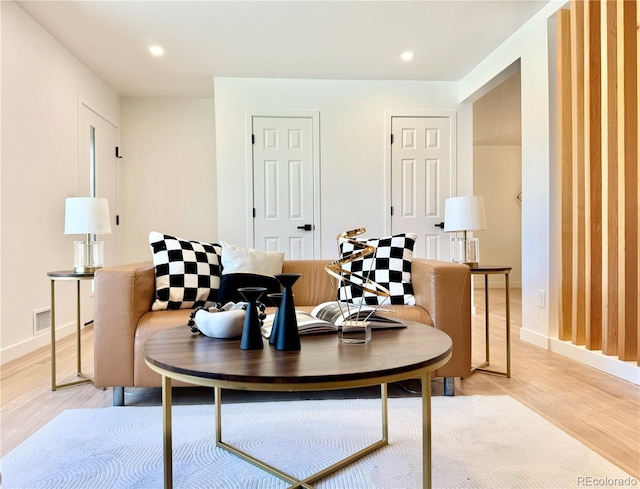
[444, 290]
[122, 295]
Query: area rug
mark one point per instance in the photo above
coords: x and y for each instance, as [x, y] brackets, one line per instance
[478, 442]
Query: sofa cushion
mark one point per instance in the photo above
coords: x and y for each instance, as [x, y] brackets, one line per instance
[389, 267]
[187, 272]
[248, 267]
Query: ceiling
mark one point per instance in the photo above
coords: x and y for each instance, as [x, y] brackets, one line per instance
[338, 39]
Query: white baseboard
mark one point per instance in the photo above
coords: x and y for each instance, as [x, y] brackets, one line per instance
[32, 344]
[628, 371]
[534, 338]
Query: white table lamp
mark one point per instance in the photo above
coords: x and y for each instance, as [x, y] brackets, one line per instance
[463, 214]
[88, 216]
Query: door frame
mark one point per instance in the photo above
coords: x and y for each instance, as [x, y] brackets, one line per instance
[83, 103]
[388, 115]
[314, 115]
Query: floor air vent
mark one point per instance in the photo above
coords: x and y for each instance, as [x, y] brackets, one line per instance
[41, 320]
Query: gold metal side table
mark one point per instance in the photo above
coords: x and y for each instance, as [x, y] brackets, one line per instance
[487, 270]
[78, 277]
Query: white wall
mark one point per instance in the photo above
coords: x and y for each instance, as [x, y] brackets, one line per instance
[497, 177]
[530, 46]
[1, 238]
[41, 86]
[168, 171]
[497, 118]
[352, 145]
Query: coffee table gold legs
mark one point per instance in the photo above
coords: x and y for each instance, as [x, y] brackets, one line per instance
[385, 413]
[217, 399]
[166, 432]
[306, 483]
[426, 431]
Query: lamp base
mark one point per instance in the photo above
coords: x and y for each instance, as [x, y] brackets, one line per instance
[85, 269]
[465, 250]
[88, 256]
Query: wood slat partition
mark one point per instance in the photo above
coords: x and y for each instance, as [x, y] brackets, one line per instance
[579, 312]
[598, 72]
[593, 173]
[565, 158]
[638, 147]
[610, 169]
[626, 31]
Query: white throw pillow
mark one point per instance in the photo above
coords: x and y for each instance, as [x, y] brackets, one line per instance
[237, 259]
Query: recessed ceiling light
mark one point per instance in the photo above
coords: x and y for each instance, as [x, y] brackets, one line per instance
[156, 50]
[407, 56]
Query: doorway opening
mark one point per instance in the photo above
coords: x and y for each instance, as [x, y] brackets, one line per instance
[497, 176]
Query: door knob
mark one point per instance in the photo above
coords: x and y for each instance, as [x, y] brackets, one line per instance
[441, 225]
[306, 227]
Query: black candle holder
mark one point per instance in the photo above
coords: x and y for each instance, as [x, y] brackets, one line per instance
[286, 326]
[276, 299]
[251, 334]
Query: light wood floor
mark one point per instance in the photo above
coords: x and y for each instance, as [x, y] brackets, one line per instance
[600, 410]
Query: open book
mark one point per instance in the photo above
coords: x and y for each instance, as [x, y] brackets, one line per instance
[326, 317]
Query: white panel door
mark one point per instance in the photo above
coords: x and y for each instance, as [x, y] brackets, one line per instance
[421, 176]
[98, 172]
[283, 172]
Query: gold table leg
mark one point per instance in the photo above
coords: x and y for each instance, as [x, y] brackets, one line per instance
[481, 368]
[508, 320]
[78, 342]
[217, 392]
[486, 318]
[308, 481]
[166, 432]
[53, 335]
[426, 431]
[85, 377]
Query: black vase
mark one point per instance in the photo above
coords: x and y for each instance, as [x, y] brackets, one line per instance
[287, 337]
[251, 334]
[276, 299]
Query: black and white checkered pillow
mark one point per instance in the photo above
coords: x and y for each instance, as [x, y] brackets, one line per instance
[187, 272]
[389, 267]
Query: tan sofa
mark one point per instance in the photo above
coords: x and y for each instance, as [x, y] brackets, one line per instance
[124, 321]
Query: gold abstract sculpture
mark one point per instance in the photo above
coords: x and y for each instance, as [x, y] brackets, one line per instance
[336, 268]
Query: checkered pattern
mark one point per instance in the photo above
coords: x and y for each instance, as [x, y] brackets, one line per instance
[187, 272]
[389, 267]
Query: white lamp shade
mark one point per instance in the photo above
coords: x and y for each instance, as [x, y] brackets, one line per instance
[87, 215]
[464, 214]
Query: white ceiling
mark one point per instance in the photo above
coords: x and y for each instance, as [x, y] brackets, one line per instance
[339, 39]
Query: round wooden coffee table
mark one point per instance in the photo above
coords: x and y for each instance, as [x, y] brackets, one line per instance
[323, 363]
